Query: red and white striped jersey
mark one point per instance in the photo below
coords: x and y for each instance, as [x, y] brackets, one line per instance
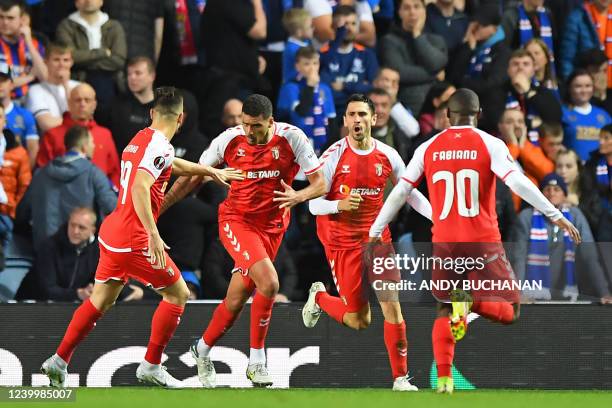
[264, 167]
[364, 172]
[150, 151]
[460, 165]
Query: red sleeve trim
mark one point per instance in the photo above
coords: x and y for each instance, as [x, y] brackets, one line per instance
[308, 173]
[506, 175]
[409, 181]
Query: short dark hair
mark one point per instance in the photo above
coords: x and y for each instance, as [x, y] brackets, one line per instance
[520, 53]
[362, 98]
[57, 48]
[75, 137]
[379, 92]
[168, 101]
[589, 58]
[257, 105]
[307, 52]
[575, 74]
[548, 129]
[607, 128]
[142, 58]
[6, 5]
[344, 10]
[464, 102]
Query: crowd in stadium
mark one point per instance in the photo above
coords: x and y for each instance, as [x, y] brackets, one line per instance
[77, 80]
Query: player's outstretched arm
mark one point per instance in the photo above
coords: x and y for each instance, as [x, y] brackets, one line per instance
[392, 205]
[321, 206]
[141, 197]
[289, 197]
[420, 203]
[182, 167]
[524, 188]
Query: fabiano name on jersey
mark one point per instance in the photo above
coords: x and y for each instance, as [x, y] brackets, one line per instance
[455, 155]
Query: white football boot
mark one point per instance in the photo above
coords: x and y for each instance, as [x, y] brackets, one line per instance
[258, 375]
[55, 371]
[157, 375]
[403, 384]
[206, 369]
[311, 311]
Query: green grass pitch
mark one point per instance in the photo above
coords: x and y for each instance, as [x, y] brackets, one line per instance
[134, 397]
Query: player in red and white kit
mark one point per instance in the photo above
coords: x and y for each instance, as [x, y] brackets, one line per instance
[460, 165]
[252, 221]
[357, 169]
[130, 245]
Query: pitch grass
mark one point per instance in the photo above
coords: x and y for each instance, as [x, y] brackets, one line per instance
[137, 397]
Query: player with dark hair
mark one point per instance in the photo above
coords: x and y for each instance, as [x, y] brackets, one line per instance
[460, 165]
[130, 245]
[357, 169]
[252, 221]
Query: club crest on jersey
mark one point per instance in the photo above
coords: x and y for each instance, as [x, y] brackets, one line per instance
[240, 153]
[159, 162]
[379, 169]
[275, 152]
[346, 169]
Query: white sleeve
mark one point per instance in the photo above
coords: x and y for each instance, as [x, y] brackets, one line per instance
[321, 206]
[157, 157]
[364, 11]
[214, 155]
[317, 8]
[404, 120]
[417, 200]
[36, 101]
[397, 165]
[305, 155]
[416, 167]
[524, 188]
[502, 163]
[392, 205]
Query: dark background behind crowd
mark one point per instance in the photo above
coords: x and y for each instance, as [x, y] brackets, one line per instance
[77, 80]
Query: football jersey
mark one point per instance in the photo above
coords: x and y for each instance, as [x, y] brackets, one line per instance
[150, 151]
[264, 166]
[363, 172]
[460, 165]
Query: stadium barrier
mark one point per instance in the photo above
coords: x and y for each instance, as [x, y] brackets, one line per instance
[553, 346]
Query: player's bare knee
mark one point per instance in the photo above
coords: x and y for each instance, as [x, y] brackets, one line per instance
[235, 303]
[270, 288]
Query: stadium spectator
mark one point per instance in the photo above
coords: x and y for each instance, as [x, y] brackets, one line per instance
[568, 270]
[386, 129]
[68, 182]
[66, 263]
[529, 20]
[450, 23]
[188, 141]
[242, 22]
[15, 177]
[389, 80]
[322, 12]
[131, 111]
[306, 102]
[595, 184]
[18, 50]
[581, 120]
[182, 53]
[143, 24]
[537, 103]
[545, 72]
[232, 113]
[48, 100]
[480, 64]
[18, 119]
[596, 64]
[347, 66]
[419, 57]
[569, 166]
[81, 106]
[586, 28]
[298, 24]
[99, 47]
[438, 95]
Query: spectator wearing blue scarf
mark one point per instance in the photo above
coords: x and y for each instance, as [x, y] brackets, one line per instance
[544, 253]
[480, 64]
[529, 20]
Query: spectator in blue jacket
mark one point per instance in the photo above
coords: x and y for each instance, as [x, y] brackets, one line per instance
[67, 182]
[346, 65]
[444, 19]
[578, 36]
[306, 102]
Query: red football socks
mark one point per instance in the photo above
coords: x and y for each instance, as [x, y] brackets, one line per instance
[397, 348]
[165, 321]
[443, 346]
[333, 306]
[83, 321]
[261, 313]
[502, 312]
[222, 320]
